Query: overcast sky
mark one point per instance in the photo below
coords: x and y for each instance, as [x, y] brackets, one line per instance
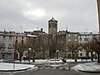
[28, 15]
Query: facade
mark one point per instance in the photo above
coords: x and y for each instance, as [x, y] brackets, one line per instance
[64, 40]
[52, 32]
[7, 48]
[72, 38]
[52, 26]
[72, 44]
[8, 40]
[1, 45]
[85, 37]
[40, 43]
[19, 39]
[44, 45]
[82, 53]
[60, 40]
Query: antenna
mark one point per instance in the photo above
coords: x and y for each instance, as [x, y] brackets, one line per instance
[4, 29]
[86, 30]
[66, 27]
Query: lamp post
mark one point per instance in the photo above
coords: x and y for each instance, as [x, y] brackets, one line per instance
[67, 53]
[29, 54]
[30, 49]
[33, 55]
[57, 53]
[13, 51]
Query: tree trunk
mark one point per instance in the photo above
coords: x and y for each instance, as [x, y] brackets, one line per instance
[20, 58]
[98, 57]
[92, 56]
[75, 57]
[43, 54]
[33, 57]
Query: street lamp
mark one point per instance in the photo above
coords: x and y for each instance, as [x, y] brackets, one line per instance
[13, 59]
[29, 54]
[33, 55]
[67, 53]
[57, 53]
[32, 36]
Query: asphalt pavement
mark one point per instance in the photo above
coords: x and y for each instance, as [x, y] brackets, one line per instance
[53, 72]
[49, 71]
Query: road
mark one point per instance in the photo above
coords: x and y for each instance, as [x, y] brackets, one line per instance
[50, 71]
[47, 70]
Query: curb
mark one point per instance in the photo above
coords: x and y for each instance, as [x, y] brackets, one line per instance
[89, 71]
[14, 70]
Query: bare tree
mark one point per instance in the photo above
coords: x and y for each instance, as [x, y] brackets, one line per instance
[89, 47]
[96, 46]
[20, 47]
[44, 46]
[74, 48]
[92, 46]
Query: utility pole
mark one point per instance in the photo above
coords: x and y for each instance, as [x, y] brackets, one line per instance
[98, 6]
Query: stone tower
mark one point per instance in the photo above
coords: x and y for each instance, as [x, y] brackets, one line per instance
[98, 4]
[52, 26]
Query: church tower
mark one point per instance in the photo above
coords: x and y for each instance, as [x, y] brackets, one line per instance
[98, 4]
[52, 26]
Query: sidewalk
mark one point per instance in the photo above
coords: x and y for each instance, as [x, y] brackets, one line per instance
[41, 61]
[88, 67]
[50, 61]
[10, 67]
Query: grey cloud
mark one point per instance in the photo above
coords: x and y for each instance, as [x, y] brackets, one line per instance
[77, 14]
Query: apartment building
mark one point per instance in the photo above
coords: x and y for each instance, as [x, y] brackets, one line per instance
[64, 40]
[6, 42]
[87, 38]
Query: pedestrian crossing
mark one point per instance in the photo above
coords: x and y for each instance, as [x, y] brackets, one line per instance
[48, 67]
